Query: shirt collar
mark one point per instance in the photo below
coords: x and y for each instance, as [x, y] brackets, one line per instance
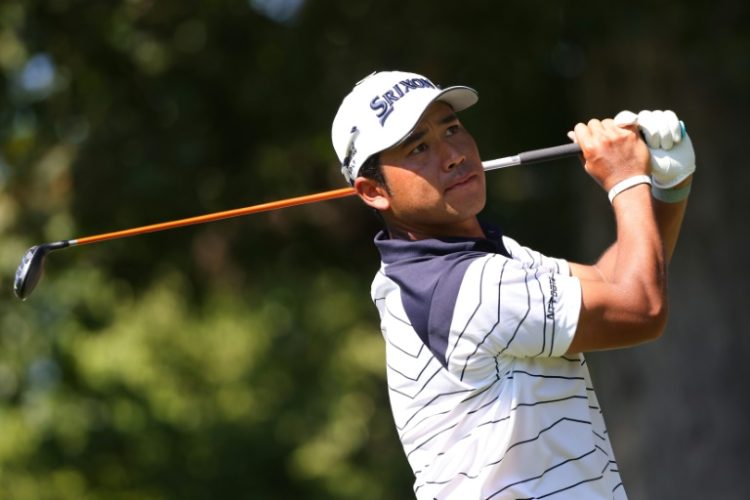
[396, 250]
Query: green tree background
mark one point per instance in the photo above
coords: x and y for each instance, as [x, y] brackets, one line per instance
[243, 359]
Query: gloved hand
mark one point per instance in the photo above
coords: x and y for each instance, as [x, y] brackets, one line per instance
[672, 154]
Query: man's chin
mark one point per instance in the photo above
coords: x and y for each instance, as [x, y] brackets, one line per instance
[468, 201]
[467, 211]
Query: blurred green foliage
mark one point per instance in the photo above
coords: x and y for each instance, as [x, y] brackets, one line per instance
[242, 359]
[155, 397]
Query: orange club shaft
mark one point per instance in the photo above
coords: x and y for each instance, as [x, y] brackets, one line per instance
[228, 214]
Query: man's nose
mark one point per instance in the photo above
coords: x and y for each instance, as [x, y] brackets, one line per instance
[452, 156]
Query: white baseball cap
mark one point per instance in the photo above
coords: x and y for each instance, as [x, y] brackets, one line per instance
[382, 110]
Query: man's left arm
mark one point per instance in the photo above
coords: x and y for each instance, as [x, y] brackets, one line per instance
[669, 218]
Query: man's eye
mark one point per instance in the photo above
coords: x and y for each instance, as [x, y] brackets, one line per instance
[418, 149]
[453, 129]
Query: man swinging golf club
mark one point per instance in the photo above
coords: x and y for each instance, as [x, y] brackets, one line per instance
[488, 384]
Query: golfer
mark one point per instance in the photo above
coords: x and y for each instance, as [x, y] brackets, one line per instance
[488, 383]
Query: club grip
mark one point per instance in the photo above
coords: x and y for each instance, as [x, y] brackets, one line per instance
[549, 154]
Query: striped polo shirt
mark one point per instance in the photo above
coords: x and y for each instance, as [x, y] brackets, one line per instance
[485, 400]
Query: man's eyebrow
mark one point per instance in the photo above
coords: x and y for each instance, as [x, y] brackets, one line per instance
[448, 118]
[418, 134]
[415, 136]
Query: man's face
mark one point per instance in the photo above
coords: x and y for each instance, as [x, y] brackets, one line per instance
[435, 178]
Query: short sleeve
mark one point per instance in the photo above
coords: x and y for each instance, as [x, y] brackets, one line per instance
[508, 307]
[532, 259]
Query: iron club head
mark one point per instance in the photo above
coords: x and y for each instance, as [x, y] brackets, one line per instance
[31, 267]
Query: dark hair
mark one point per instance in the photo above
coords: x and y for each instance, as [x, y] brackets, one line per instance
[373, 169]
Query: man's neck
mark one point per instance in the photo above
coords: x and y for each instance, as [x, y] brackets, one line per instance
[467, 229]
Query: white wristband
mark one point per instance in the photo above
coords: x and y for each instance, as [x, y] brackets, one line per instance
[627, 184]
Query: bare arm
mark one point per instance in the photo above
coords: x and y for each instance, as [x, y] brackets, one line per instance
[624, 293]
[669, 221]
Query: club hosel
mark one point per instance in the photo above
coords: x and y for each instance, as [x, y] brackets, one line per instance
[61, 244]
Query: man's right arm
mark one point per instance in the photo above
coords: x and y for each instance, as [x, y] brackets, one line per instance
[624, 295]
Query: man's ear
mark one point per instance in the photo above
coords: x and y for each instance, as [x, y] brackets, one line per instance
[372, 193]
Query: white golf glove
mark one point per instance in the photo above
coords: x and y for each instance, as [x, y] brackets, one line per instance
[672, 154]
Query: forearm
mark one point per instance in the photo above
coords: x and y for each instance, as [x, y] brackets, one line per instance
[638, 268]
[668, 217]
[628, 305]
[636, 262]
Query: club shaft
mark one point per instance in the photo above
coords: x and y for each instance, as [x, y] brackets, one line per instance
[526, 158]
[202, 219]
[534, 156]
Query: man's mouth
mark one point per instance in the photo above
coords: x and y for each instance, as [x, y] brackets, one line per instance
[463, 181]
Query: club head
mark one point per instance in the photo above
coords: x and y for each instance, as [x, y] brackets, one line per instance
[31, 267]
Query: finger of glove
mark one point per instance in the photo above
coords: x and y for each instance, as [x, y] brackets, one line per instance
[665, 134]
[675, 127]
[624, 118]
[649, 129]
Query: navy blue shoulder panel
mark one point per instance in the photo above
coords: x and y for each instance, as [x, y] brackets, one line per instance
[429, 274]
[429, 289]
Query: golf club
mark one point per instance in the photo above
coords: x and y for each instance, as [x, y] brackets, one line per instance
[32, 264]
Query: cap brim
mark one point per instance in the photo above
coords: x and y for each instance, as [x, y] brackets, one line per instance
[458, 97]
